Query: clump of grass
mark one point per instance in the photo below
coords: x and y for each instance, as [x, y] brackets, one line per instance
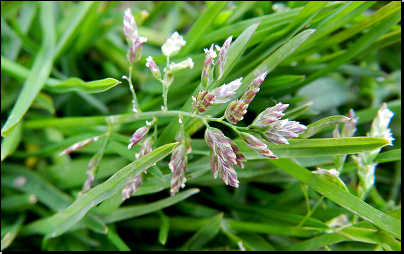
[324, 177]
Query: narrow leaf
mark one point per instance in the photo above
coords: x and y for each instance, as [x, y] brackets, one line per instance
[321, 125]
[40, 70]
[204, 234]
[341, 197]
[201, 27]
[128, 212]
[76, 84]
[64, 220]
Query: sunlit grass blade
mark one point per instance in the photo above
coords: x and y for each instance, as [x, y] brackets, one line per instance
[72, 30]
[128, 212]
[317, 242]
[10, 143]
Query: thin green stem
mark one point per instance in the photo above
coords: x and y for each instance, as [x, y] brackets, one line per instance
[311, 212]
[136, 107]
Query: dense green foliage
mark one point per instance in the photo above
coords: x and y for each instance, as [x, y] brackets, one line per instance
[61, 82]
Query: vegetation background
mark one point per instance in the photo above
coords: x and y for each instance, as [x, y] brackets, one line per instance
[50, 53]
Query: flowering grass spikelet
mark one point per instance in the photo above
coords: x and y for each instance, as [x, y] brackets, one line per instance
[381, 123]
[350, 126]
[202, 101]
[135, 51]
[153, 67]
[224, 92]
[173, 45]
[207, 66]
[280, 131]
[223, 156]
[221, 60]
[173, 67]
[131, 187]
[129, 27]
[138, 136]
[236, 109]
[269, 115]
[79, 145]
[239, 155]
[257, 145]
[253, 89]
[331, 175]
[177, 166]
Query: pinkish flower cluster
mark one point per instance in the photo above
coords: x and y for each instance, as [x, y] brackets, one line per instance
[224, 155]
[221, 94]
[133, 185]
[217, 96]
[236, 109]
[179, 161]
[275, 130]
[133, 39]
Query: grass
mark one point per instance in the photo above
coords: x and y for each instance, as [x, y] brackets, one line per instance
[62, 68]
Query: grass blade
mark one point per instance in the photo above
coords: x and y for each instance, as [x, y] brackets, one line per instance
[341, 197]
[9, 237]
[321, 125]
[204, 234]
[76, 84]
[40, 70]
[201, 27]
[62, 221]
[128, 212]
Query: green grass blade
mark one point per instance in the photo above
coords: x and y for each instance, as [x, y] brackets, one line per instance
[355, 49]
[305, 147]
[276, 229]
[46, 193]
[128, 212]
[201, 27]
[72, 30]
[393, 155]
[256, 242]
[40, 70]
[10, 143]
[12, 233]
[18, 202]
[117, 241]
[321, 125]
[317, 242]
[204, 234]
[64, 220]
[164, 228]
[341, 197]
[76, 84]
